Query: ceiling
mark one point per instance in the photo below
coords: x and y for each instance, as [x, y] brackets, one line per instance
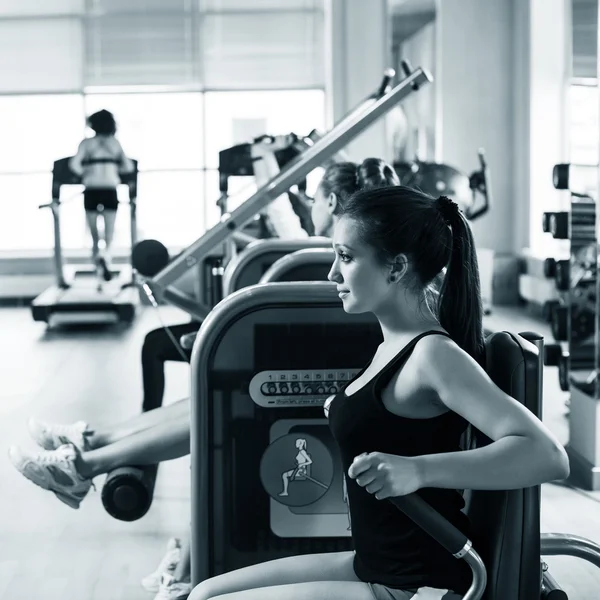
[409, 16]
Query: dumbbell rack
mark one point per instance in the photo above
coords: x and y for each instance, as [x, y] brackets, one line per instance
[572, 318]
[574, 324]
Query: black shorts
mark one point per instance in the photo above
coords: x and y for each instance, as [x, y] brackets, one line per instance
[94, 197]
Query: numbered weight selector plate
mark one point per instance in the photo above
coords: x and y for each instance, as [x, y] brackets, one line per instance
[280, 389]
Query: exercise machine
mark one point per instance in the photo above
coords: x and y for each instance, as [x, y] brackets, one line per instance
[438, 179]
[317, 153]
[79, 295]
[263, 366]
[127, 493]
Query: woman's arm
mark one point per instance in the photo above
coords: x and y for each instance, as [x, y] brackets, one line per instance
[307, 458]
[76, 162]
[126, 165]
[523, 451]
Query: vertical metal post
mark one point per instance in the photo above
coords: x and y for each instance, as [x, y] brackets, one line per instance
[58, 257]
[133, 229]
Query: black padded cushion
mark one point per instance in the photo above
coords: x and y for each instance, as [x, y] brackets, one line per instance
[506, 524]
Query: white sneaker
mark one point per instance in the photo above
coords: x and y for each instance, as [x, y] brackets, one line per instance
[173, 590]
[53, 470]
[168, 564]
[51, 437]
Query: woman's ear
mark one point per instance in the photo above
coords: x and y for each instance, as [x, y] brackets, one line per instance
[398, 268]
[332, 203]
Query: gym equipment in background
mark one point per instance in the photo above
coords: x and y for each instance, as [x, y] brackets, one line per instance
[149, 257]
[325, 148]
[77, 298]
[438, 179]
[574, 318]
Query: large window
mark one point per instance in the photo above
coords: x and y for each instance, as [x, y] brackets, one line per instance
[36, 130]
[162, 131]
[175, 137]
[184, 78]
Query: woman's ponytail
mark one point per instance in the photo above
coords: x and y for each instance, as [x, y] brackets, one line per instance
[460, 308]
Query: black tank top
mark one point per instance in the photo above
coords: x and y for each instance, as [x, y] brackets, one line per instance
[389, 548]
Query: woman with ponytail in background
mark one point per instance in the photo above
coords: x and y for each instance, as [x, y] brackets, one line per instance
[399, 423]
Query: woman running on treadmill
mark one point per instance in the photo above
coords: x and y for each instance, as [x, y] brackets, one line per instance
[99, 161]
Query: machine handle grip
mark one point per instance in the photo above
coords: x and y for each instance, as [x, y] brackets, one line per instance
[428, 519]
[386, 82]
[407, 70]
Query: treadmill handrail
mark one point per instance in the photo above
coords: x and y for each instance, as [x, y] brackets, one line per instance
[236, 266]
[261, 296]
[300, 258]
[336, 139]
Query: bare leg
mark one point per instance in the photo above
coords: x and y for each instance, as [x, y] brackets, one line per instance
[165, 441]
[285, 478]
[328, 567]
[109, 230]
[92, 221]
[164, 415]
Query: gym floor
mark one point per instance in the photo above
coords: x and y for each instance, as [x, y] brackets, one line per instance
[52, 552]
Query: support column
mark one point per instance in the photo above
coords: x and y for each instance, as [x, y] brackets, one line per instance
[358, 50]
[584, 415]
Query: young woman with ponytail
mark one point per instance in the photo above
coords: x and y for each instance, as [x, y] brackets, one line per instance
[399, 422]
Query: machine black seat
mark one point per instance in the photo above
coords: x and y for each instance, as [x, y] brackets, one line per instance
[507, 523]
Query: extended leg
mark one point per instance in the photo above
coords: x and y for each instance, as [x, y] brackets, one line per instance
[165, 441]
[328, 567]
[92, 221]
[51, 436]
[165, 414]
[109, 231]
[68, 470]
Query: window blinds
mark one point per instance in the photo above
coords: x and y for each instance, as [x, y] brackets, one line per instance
[210, 44]
[585, 38]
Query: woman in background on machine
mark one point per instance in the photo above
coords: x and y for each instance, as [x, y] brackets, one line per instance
[99, 162]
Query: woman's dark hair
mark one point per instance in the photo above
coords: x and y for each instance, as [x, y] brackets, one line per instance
[103, 123]
[433, 234]
[347, 178]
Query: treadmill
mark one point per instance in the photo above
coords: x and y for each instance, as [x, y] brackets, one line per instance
[77, 297]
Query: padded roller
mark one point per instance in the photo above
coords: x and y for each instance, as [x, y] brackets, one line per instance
[149, 257]
[128, 491]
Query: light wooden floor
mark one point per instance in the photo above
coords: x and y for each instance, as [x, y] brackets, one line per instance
[50, 551]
